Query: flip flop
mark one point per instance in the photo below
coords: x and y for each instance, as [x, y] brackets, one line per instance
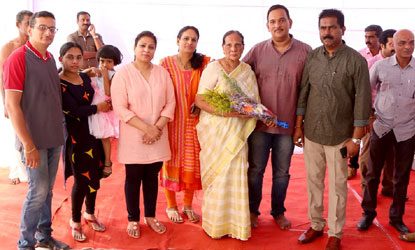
[15, 181]
[410, 237]
[94, 223]
[133, 229]
[77, 233]
[191, 215]
[173, 215]
[155, 225]
[107, 171]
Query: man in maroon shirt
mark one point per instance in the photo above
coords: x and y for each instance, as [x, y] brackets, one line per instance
[278, 65]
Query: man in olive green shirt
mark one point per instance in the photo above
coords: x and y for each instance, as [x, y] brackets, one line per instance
[335, 104]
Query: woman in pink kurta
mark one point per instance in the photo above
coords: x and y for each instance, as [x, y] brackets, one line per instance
[143, 99]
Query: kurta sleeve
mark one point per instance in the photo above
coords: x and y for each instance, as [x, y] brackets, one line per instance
[168, 110]
[119, 97]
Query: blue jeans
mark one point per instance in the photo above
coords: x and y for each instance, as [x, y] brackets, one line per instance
[260, 144]
[37, 208]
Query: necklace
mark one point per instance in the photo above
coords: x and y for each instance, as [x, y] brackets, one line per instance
[186, 65]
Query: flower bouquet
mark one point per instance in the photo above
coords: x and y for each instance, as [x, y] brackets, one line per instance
[237, 100]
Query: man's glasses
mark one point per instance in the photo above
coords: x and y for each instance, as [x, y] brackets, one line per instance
[43, 28]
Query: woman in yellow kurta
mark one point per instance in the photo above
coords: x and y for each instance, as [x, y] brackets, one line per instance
[182, 172]
[224, 150]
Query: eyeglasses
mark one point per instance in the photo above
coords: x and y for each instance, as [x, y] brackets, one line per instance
[43, 28]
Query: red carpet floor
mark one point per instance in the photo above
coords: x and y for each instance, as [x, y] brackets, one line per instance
[111, 211]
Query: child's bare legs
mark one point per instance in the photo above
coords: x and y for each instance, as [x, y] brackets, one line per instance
[106, 143]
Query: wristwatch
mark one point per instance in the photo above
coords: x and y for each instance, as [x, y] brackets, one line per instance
[356, 141]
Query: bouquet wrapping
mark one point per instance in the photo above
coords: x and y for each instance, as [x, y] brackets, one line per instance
[237, 100]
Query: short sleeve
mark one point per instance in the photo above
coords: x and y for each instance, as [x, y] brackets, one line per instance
[14, 71]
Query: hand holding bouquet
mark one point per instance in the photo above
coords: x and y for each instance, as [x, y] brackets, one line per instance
[237, 100]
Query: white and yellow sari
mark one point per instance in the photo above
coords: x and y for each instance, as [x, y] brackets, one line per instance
[224, 158]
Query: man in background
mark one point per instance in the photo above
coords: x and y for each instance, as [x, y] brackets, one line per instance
[17, 170]
[393, 129]
[89, 40]
[372, 34]
[386, 50]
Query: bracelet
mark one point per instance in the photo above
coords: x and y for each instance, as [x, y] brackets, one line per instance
[299, 126]
[95, 37]
[30, 151]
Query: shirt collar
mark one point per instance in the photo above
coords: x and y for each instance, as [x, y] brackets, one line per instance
[394, 61]
[289, 46]
[367, 51]
[37, 53]
[338, 50]
[80, 34]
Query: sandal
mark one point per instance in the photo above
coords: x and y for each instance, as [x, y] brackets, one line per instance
[107, 171]
[94, 223]
[77, 233]
[133, 229]
[173, 215]
[15, 181]
[410, 237]
[155, 225]
[191, 215]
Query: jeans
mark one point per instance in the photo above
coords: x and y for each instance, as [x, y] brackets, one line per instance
[404, 152]
[260, 144]
[37, 208]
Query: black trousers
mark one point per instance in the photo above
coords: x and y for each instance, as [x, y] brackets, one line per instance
[135, 174]
[404, 155]
[81, 192]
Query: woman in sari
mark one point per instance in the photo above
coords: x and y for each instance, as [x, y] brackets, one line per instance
[182, 172]
[224, 149]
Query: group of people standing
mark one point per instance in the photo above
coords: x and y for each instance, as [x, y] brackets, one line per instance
[166, 123]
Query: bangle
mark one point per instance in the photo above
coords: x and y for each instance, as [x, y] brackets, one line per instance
[29, 151]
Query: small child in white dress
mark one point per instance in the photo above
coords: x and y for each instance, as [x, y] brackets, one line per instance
[105, 125]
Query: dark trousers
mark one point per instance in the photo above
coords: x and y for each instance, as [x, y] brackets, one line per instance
[135, 174]
[404, 155]
[387, 178]
[81, 192]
